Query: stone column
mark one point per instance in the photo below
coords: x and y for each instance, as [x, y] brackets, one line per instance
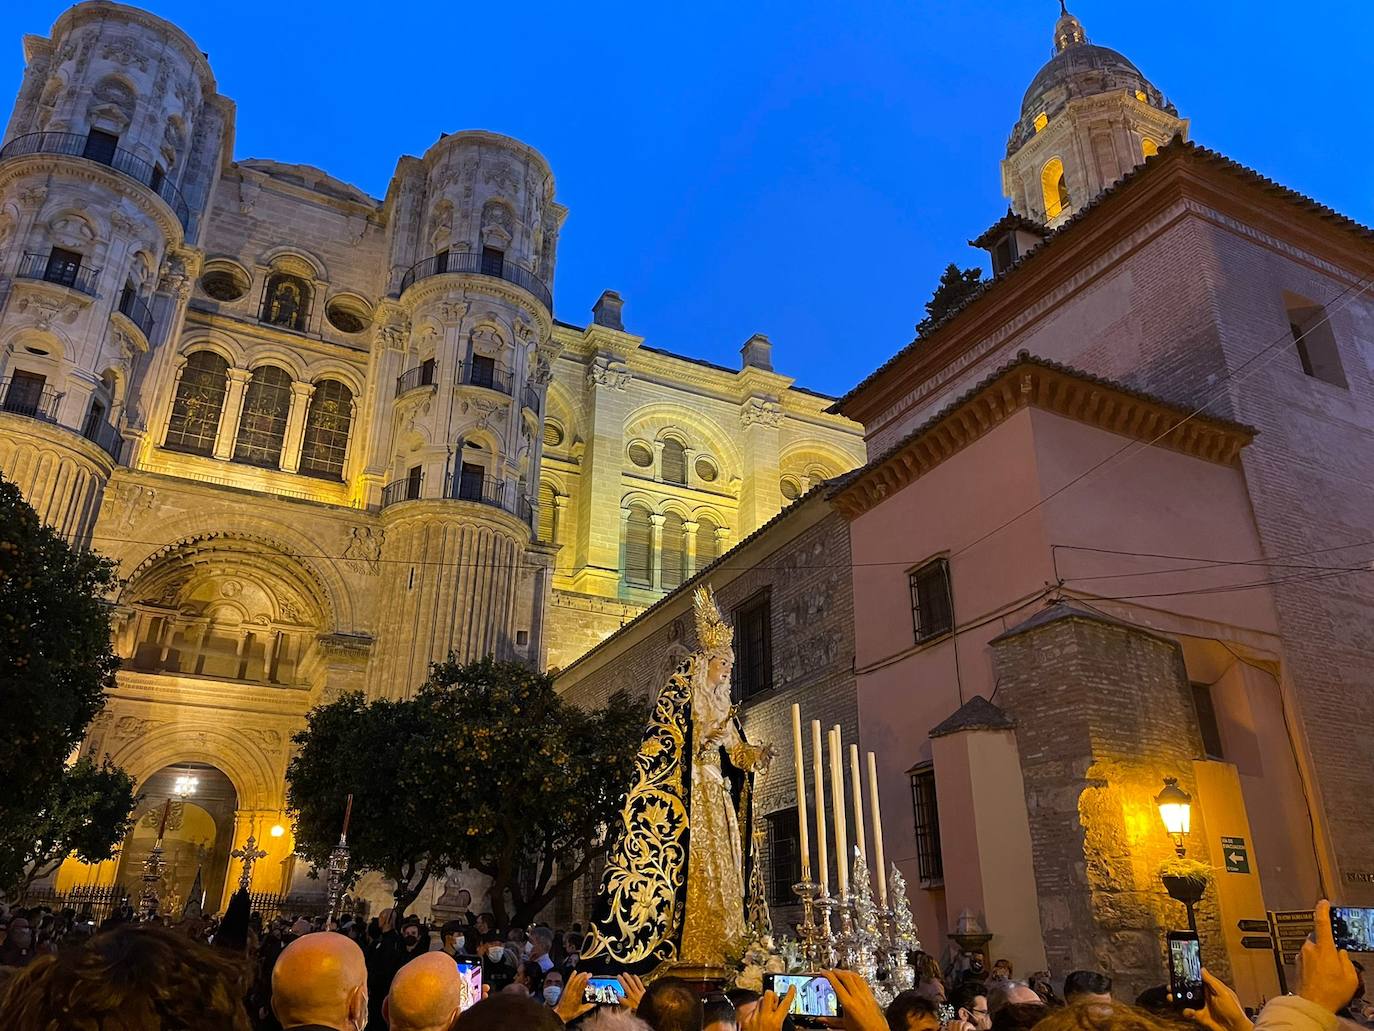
[598, 542]
[295, 426]
[689, 533]
[230, 413]
[760, 495]
[656, 551]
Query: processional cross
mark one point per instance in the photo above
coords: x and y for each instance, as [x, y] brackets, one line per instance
[250, 854]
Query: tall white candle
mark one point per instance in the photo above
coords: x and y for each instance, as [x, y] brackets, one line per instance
[837, 809]
[801, 793]
[818, 773]
[877, 829]
[856, 782]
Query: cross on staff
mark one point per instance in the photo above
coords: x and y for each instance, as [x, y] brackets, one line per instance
[250, 854]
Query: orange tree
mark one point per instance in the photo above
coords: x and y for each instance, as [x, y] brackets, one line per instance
[484, 766]
[55, 666]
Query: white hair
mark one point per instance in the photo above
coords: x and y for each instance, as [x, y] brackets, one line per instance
[615, 1020]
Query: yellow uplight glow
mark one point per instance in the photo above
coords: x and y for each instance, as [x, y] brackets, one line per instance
[277, 830]
[1041, 120]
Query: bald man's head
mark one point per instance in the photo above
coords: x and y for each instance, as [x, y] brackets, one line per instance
[321, 978]
[426, 994]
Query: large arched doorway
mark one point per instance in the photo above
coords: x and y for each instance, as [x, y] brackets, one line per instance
[198, 836]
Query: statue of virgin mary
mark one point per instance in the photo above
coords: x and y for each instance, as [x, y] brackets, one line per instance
[673, 891]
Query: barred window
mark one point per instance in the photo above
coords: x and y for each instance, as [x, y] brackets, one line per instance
[708, 548]
[198, 404]
[932, 608]
[784, 867]
[673, 552]
[639, 547]
[262, 426]
[753, 646]
[327, 423]
[674, 465]
[930, 866]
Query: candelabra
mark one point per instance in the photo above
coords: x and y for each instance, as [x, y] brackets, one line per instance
[809, 930]
[338, 867]
[865, 929]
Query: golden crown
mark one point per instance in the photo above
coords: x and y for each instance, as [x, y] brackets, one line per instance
[713, 632]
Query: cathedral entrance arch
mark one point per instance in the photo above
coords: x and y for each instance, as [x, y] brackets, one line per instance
[198, 802]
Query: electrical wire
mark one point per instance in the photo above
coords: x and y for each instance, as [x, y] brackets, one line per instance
[1342, 299]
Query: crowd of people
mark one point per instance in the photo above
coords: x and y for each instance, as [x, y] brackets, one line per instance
[243, 974]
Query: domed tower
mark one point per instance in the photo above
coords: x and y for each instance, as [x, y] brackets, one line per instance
[1088, 118]
[460, 366]
[113, 146]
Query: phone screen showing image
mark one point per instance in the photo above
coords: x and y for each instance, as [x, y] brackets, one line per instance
[1185, 969]
[815, 995]
[1353, 928]
[470, 969]
[603, 991]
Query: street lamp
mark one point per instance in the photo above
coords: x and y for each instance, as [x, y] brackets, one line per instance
[1176, 810]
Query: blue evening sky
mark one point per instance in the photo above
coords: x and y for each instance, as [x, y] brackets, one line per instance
[803, 170]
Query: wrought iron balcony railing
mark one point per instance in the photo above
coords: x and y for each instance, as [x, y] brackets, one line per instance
[407, 488]
[105, 437]
[420, 376]
[137, 311]
[55, 270]
[71, 144]
[502, 494]
[529, 397]
[475, 263]
[24, 397]
[491, 375]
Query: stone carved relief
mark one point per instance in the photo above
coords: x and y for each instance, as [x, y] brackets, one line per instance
[125, 51]
[364, 551]
[129, 503]
[757, 411]
[33, 196]
[542, 372]
[134, 726]
[249, 188]
[452, 312]
[503, 177]
[484, 410]
[270, 739]
[44, 311]
[606, 372]
[394, 335]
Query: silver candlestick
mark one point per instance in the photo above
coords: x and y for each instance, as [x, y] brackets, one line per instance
[809, 930]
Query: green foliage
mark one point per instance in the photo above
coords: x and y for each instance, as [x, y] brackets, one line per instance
[85, 811]
[55, 664]
[955, 287]
[485, 766]
[1185, 869]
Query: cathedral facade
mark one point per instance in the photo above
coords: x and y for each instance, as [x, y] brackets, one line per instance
[330, 439]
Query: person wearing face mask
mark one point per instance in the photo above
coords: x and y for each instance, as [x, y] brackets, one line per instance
[553, 987]
[453, 938]
[498, 966]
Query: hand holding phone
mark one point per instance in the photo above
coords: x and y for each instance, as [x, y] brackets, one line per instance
[1325, 973]
[1185, 969]
[814, 996]
[603, 991]
[470, 970]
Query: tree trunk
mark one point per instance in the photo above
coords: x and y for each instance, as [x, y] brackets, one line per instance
[405, 894]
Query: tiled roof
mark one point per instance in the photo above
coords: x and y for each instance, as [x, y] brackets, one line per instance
[1011, 220]
[975, 714]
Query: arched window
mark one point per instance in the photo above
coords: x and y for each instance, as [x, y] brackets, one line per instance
[286, 301]
[674, 462]
[327, 423]
[639, 547]
[262, 426]
[1054, 188]
[708, 547]
[199, 401]
[1149, 148]
[548, 513]
[673, 553]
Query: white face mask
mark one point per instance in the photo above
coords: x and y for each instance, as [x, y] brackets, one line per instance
[526, 949]
[552, 993]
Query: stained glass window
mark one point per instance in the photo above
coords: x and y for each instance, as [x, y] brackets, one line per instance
[327, 423]
[262, 426]
[286, 302]
[199, 401]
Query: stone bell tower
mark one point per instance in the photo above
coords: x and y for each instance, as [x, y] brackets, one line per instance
[113, 147]
[460, 365]
[1088, 117]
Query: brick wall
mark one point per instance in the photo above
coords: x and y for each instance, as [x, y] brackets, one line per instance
[1103, 715]
[812, 615]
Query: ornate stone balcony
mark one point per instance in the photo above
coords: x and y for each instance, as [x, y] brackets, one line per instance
[472, 263]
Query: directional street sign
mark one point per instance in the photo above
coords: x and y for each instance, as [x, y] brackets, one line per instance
[1253, 926]
[1236, 854]
[1256, 942]
[1292, 927]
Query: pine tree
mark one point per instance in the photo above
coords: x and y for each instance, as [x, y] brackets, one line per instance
[955, 287]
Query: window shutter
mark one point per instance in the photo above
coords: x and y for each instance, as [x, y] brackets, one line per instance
[674, 462]
[546, 512]
[674, 551]
[639, 542]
